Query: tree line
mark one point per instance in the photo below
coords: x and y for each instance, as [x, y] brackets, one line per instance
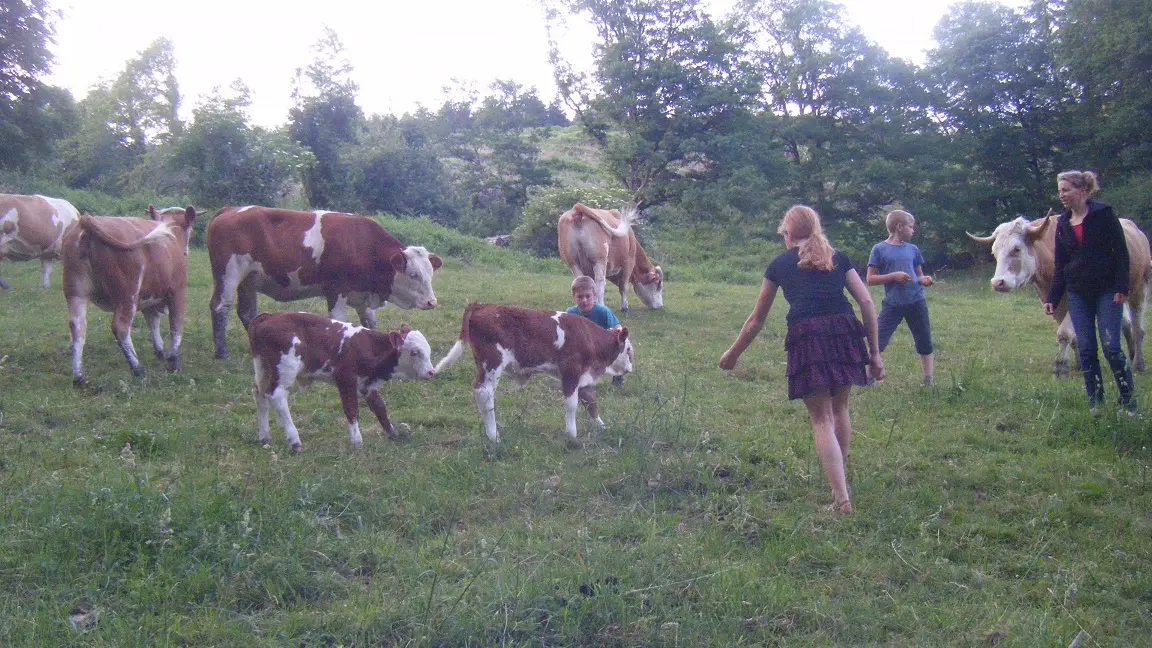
[703, 121]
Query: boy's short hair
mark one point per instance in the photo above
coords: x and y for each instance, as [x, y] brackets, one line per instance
[583, 282]
[898, 217]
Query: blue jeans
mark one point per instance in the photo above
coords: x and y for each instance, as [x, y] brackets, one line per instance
[916, 314]
[1088, 312]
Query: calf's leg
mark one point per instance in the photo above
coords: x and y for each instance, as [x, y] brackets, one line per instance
[45, 272]
[484, 389]
[350, 399]
[380, 409]
[176, 307]
[78, 326]
[588, 399]
[279, 401]
[122, 331]
[153, 319]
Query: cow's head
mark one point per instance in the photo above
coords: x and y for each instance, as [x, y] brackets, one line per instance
[650, 287]
[412, 284]
[1012, 245]
[625, 354]
[415, 355]
[180, 219]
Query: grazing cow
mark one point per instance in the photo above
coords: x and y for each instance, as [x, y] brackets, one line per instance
[124, 264]
[31, 227]
[600, 243]
[290, 348]
[288, 255]
[1025, 252]
[574, 350]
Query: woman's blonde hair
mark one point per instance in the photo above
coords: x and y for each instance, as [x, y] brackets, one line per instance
[802, 222]
[1085, 180]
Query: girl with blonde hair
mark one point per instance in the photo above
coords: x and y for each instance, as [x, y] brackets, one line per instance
[825, 342]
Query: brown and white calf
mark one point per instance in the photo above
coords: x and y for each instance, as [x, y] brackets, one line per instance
[524, 342]
[123, 264]
[297, 348]
[287, 255]
[31, 227]
[600, 243]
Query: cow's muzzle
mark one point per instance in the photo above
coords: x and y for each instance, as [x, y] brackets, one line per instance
[999, 285]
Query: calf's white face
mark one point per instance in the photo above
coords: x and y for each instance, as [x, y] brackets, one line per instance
[415, 358]
[412, 285]
[623, 362]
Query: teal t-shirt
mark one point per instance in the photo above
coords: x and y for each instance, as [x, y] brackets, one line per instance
[600, 314]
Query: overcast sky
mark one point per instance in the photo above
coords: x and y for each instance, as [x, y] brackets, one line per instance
[403, 52]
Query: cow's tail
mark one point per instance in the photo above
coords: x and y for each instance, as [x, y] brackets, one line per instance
[620, 230]
[465, 339]
[95, 228]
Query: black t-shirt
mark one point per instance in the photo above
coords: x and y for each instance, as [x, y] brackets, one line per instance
[811, 292]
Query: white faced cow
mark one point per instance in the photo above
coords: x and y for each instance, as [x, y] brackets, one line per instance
[124, 264]
[600, 243]
[1025, 253]
[31, 227]
[297, 348]
[347, 259]
[523, 342]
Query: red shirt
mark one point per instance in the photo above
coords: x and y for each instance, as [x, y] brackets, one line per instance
[1078, 230]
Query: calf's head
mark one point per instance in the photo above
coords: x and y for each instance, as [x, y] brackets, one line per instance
[1012, 246]
[622, 364]
[415, 361]
[180, 219]
[412, 284]
[650, 287]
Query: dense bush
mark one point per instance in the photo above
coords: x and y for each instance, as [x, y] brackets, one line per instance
[537, 230]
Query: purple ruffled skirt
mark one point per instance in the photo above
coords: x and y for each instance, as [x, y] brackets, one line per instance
[827, 351]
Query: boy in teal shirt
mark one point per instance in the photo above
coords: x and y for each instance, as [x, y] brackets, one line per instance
[584, 294]
[896, 264]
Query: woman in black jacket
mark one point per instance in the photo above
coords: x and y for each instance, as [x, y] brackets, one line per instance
[1092, 267]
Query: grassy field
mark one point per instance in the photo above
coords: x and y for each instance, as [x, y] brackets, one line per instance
[992, 509]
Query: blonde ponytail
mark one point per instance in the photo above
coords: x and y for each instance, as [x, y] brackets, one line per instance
[802, 222]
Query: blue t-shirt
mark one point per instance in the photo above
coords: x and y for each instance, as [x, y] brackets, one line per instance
[600, 314]
[888, 258]
[811, 292]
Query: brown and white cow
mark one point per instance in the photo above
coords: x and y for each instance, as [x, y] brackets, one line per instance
[1025, 253]
[297, 348]
[287, 255]
[31, 227]
[600, 243]
[524, 342]
[124, 264]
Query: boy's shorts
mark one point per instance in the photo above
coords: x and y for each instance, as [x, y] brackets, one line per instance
[916, 314]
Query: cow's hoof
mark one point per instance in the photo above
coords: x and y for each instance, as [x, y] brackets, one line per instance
[390, 431]
[160, 354]
[221, 355]
[297, 448]
[1060, 370]
[174, 363]
[79, 382]
[139, 372]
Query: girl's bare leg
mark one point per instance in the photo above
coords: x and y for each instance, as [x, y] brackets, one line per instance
[820, 412]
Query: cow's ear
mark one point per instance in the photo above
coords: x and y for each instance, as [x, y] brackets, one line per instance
[437, 262]
[395, 339]
[151, 212]
[189, 215]
[399, 262]
[622, 334]
[660, 273]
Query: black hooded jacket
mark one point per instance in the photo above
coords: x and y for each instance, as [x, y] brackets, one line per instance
[1099, 265]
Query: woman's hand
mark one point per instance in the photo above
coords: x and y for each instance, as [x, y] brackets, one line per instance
[728, 360]
[876, 366]
[1120, 298]
[1049, 309]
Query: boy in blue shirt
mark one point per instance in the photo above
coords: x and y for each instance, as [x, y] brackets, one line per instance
[584, 294]
[896, 264]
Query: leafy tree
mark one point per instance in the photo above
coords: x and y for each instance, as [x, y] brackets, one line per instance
[32, 114]
[667, 80]
[400, 170]
[230, 162]
[122, 121]
[1001, 89]
[325, 121]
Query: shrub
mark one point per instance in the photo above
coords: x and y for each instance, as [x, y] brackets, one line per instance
[536, 233]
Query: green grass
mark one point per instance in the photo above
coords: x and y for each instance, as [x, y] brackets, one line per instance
[992, 509]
